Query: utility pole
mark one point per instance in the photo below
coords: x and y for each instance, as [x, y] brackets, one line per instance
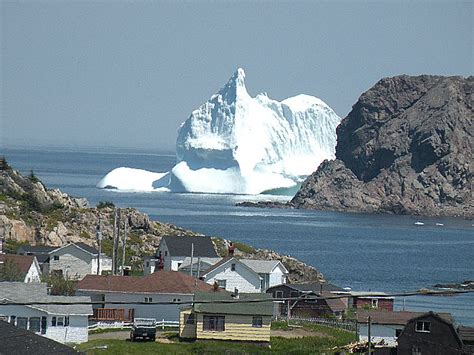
[369, 321]
[98, 235]
[192, 255]
[199, 268]
[124, 243]
[116, 238]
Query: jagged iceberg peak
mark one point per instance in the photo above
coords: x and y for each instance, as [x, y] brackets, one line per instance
[266, 144]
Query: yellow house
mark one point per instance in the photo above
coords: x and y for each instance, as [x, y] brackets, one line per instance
[223, 316]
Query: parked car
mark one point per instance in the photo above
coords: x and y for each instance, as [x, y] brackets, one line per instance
[143, 328]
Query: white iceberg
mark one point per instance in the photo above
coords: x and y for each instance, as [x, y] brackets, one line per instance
[235, 143]
[129, 179]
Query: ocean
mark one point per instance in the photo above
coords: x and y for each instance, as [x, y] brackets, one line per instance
[365, 252]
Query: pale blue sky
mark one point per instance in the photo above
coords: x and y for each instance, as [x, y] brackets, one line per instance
[128, 73]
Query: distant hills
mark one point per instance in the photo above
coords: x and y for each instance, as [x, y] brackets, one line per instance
[405, 148]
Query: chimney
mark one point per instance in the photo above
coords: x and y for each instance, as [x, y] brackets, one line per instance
[231, 249]
[235, 295]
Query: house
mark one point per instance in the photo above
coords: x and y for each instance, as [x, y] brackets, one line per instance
[225, 316]
[19, 341]
[386, 325]
[369, 300]
[429, 334]
[65, 323]
[41, 252]
[272, 272]
[77, 260]
[27, 267]
[169, 288]
[315, 299]
[172, 251]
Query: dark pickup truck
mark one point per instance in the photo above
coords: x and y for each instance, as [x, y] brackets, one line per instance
[143, 328]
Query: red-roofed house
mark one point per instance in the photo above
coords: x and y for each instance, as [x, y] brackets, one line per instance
[170, 287]
[26, 265]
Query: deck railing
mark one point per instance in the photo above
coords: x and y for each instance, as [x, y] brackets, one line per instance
[113, 314]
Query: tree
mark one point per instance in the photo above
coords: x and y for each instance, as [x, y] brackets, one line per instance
[32, 176]
[3, 164]
[60, 285]
[10, 271]
[105, 204]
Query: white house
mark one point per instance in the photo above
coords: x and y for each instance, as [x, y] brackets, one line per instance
[272, 272]
[62, 323]
[27, 265]
[170, 287]
[246, 275]
[172, 251]
[77, 260]
[386, 325]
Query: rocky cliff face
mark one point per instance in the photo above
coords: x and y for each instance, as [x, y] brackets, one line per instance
[405, 148]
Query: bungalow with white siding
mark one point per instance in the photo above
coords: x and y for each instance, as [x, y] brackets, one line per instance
[65, 323]
[26, 266]
[172, 251]
[245, 275]
[171, 288]
[77, 260]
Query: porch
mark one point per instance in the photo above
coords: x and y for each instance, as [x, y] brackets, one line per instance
[113, 314]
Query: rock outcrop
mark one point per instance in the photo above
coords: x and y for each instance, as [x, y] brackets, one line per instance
[405, 148]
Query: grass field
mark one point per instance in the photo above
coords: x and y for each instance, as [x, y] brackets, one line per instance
[324, 339]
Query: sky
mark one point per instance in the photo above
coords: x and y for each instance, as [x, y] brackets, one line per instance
[127, 73]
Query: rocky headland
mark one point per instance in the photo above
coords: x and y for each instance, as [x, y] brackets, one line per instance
[30, 213]
[405, 148]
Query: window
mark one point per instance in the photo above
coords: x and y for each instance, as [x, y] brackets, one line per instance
[189, 318]
[257, 322]
[375, 303]
[66, 321]
[12, 320]
[60, 322]
[221, 283]
[278, 294]
[423, 327]
[214, 323]
[35, 325]
[176, 299]
[53, 321]
[56, 257]
[22, 322]
[416, 350]
[148, 299]
[232, 267]
[166, 253]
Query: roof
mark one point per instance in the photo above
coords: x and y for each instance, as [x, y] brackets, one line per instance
[179, 246]
[225, 261]
[37, 292]
[336, 304]
[157, 282]
[314, 287]
[262, 266]
[378, 316]
[35, 249]
[466, 333]
[80, 245]
[204, 260]
[22, 342]
[22, 261]
[224, 303]
[369, 294]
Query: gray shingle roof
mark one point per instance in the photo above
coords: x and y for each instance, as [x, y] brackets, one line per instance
[181, 246]
[87, 248]
[35, 249]
[314, 287]
[18, 341]
[37, 292]
[215, 303]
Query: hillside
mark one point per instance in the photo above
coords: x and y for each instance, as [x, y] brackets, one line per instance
[405, 148]
[32, 214]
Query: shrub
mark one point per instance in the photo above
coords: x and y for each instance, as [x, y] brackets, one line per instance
[105, 204]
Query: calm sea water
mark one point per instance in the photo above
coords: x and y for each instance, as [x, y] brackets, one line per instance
[365, 252]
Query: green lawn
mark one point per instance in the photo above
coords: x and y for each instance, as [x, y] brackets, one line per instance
[327, 338]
